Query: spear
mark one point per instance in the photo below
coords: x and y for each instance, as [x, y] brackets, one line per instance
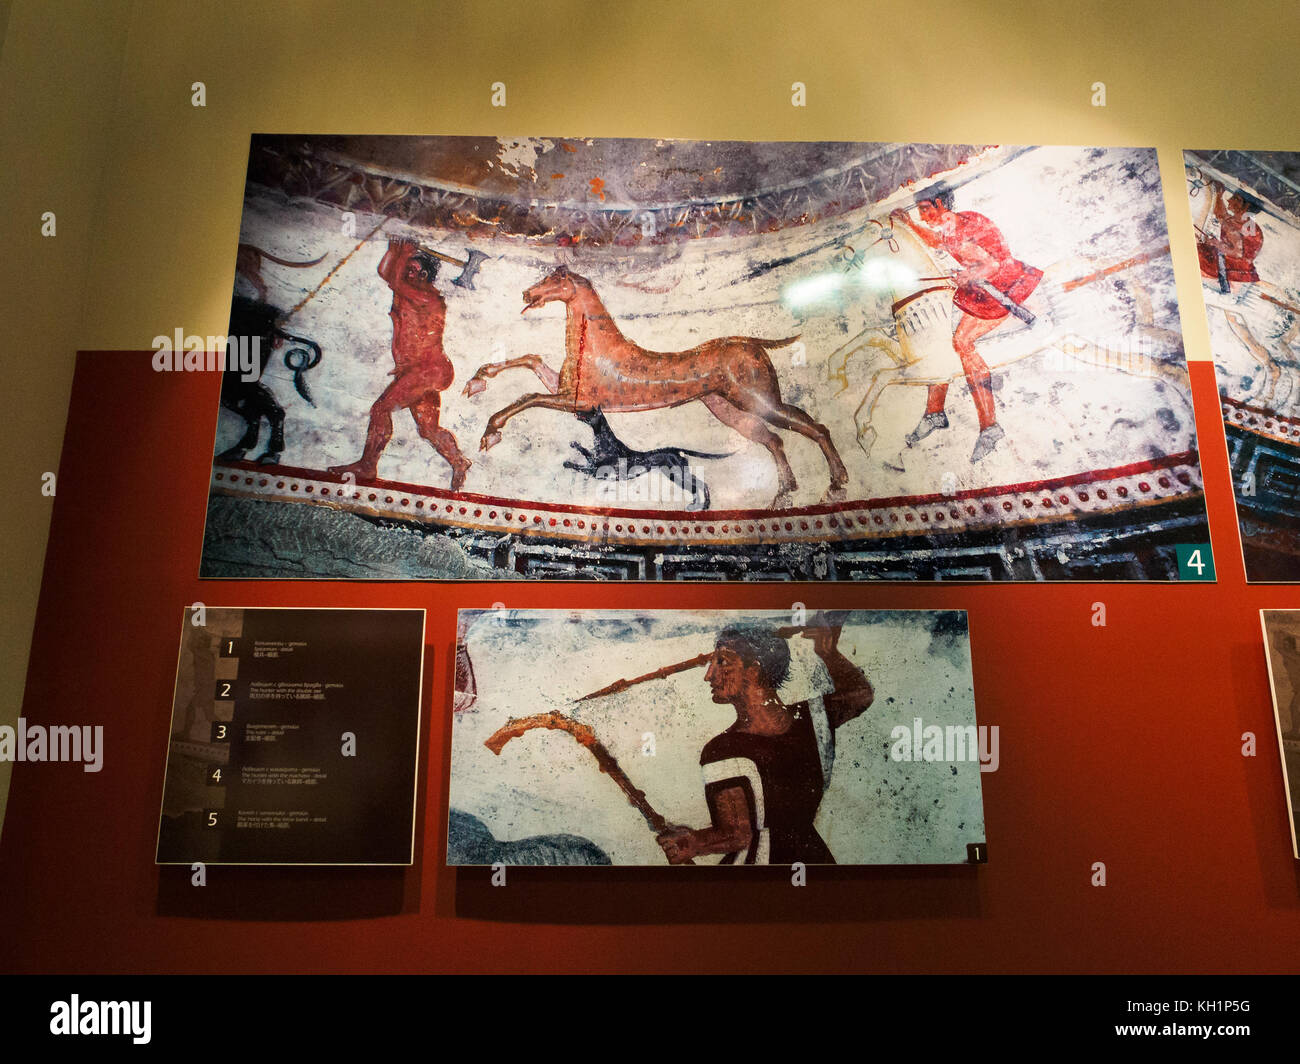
[338, 266]
[787, 632]
[657, 674]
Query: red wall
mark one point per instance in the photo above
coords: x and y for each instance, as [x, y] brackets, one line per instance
[1119, 744]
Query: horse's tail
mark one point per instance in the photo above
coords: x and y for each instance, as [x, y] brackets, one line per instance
[1075, 347]
[777, 343]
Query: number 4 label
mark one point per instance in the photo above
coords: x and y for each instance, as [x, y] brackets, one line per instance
[1195, 561]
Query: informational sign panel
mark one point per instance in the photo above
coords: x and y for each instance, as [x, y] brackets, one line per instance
[294, 737]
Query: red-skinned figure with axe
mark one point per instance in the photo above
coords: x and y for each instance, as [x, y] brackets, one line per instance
[764, 777]
[421, 370]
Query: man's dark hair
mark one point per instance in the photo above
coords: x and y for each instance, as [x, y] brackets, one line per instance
[760, 645]
[428, 265]
[1251, 203]
[939, 192]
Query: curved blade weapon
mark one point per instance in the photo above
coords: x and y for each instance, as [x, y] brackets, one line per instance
[587, 738]
[583, 734]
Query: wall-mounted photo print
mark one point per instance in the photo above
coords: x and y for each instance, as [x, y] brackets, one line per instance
[1282, 651]
[1246, 210]
[623, 737]
[575, 358]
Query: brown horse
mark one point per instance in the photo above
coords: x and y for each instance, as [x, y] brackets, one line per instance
[604, 370]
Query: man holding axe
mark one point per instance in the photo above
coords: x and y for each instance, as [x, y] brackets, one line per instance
[421, 370]
[991, 285]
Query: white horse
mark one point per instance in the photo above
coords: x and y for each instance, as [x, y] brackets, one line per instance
[919, 350]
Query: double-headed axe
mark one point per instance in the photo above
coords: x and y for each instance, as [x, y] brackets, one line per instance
[465, 280]
[471, 264]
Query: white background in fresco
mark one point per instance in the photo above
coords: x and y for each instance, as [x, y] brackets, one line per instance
[1054, 205]
[545, 783]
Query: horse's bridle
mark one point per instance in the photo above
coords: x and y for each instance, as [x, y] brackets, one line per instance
[573, 285]
[886, 235]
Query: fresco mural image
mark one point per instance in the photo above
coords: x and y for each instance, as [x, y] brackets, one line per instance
[1246, 210]
[734, 737]
[486, 357]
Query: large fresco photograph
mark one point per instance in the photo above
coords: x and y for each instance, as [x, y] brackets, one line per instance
[611, 359]
[716, 737]
[1246, 210]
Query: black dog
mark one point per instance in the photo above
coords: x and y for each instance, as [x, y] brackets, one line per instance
[250, 398]
[613, 458]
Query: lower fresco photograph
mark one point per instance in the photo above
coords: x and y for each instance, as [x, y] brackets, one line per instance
[617, 359]
[620, 737]
[1246, 211]
[1282, 649]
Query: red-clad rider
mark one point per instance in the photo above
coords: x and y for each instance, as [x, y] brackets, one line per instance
[980, 249]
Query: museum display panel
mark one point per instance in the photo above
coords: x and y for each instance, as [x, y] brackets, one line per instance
[294, 737]
[762, 492]
[680, 360]
[1246, 211]
[842, 738]
[1282, 646]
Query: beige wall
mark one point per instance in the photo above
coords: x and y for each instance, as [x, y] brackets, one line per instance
[96, 124]
[58, 96]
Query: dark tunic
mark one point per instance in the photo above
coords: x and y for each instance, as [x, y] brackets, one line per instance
[783, 778]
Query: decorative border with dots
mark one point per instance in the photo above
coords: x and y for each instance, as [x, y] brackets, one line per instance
[1052, 501]
[1261, 422]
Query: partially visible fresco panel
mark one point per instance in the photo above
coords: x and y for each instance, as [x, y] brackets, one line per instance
[470, 357]
[1282, 649]
[1246, 210]
[624, 737]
